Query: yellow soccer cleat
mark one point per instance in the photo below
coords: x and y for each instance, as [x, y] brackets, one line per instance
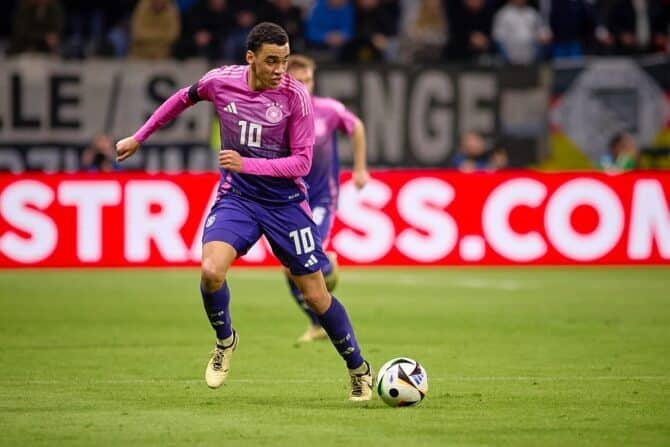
[219, 364]
[361, 383]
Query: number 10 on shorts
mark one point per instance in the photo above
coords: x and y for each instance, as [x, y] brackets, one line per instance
[303, 240]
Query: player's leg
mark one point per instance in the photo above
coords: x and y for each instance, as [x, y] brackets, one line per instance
[335, 320]
[295, 241]
[322, 215]
[229, 231]
[314, 329]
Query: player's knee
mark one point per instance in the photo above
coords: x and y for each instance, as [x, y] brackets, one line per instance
[212, 279]
[318, 299]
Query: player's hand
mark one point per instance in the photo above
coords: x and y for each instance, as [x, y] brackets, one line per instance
[230, 160]
[361, 178]
[126, 147]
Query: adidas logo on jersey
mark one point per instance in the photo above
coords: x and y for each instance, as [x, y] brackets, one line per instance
[230, 108]
[311, 261]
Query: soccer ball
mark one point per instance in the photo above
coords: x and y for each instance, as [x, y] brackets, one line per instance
[402, 382]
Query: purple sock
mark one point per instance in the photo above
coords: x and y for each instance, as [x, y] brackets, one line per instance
[336, 323]
[297, 296]
[216, 307]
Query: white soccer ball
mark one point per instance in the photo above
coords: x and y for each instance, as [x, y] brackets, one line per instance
[402, 382]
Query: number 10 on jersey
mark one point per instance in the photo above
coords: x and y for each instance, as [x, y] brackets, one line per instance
[251, 138]
[303, 240]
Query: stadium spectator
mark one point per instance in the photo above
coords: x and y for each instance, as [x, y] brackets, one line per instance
[470, 23]
[8, 6]
[204, 31]
[330, 25]
[245, 14]
[573, 25]
[37, 27]
[100, 155]
[290, 17]
[186, 6]
[155, 27]
[375, 31]
[622, 155]
[85, 27]
[117, 27]
[639, 26]
[520, 33]
[473, 155]
[424, 32]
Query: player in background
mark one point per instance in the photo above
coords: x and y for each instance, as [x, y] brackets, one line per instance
[323, 179]
[267, 134]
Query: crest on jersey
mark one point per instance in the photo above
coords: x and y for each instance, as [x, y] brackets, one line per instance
[210, 221]
[274, 114]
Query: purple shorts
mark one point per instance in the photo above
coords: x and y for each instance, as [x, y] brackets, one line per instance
[290, 230]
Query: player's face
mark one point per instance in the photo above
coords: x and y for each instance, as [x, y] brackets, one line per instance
[306, 76]
[268, 64]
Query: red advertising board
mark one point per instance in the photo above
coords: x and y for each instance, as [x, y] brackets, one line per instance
[410, 217]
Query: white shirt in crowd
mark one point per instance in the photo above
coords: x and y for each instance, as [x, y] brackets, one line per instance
[519, 29]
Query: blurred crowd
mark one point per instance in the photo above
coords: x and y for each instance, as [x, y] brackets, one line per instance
[356, 31]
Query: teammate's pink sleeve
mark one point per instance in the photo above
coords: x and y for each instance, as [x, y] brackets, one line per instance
[166, 112]
[301, 137]
[347, 121]
[295, 165]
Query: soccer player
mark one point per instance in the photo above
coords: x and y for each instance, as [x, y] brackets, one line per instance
[322, 181]
[267, 135]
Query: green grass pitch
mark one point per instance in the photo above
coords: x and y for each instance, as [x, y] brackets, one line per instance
[551, 357]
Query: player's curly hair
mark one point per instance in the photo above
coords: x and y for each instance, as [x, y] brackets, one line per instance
[266, 32]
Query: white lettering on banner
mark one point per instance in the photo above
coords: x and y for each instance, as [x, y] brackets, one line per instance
[650, 219]
[421, 203]
[431, 128]
[89, 197]
[557, 219]
[475, 89]
[421, 226]
[384, 130]
[495, 220]
[378, 232]
[17, 203]
[472, 248]
[142, 226]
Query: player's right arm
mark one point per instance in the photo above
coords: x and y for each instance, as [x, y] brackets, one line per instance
[353, 126]
[360, 171]
[166, 112]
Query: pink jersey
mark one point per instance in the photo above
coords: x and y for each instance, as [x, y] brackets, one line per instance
[272, 129]
[322, 181]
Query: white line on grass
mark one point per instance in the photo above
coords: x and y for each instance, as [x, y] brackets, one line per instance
[321, 380]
